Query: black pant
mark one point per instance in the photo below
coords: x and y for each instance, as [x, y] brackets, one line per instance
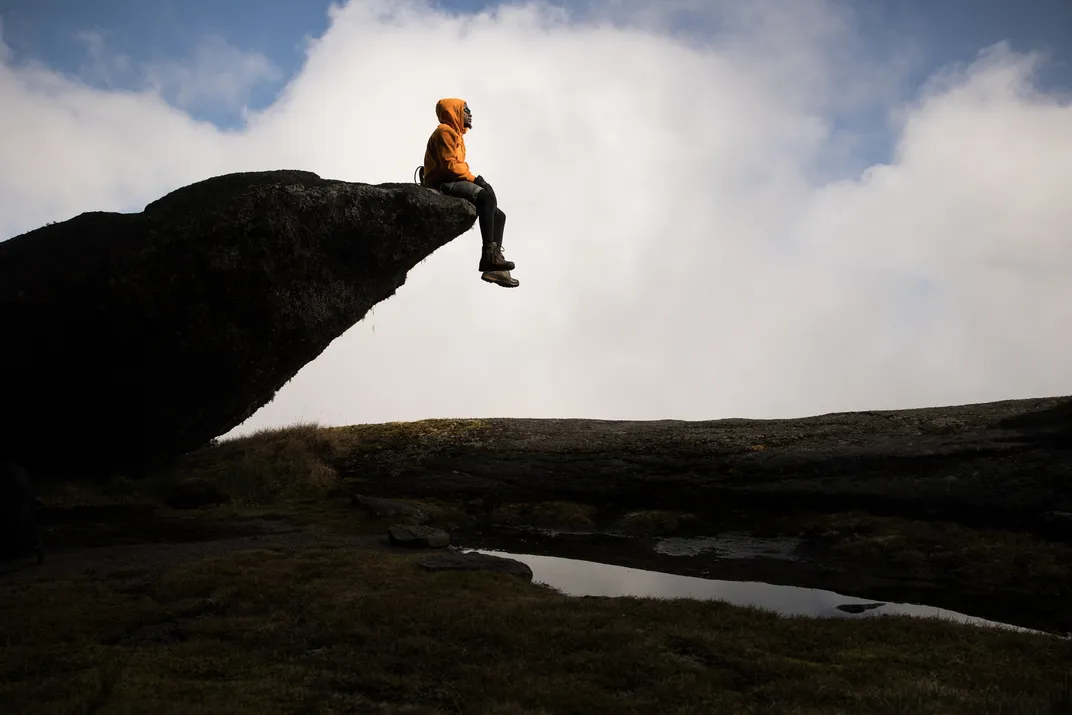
[491, 217]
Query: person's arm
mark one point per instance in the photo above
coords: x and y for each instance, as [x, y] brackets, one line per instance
[449, 148]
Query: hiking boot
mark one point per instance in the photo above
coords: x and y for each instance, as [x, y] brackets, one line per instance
[501, 278]
[491, 259]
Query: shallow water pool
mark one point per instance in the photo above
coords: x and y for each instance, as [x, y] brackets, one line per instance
[575, 577]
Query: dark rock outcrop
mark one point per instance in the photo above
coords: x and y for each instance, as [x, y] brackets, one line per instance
[388, 507]
[133, 338]
[995, 464]
[418, 537]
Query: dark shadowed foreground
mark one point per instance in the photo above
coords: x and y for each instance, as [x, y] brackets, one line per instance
[315, 628]
[256, 575]
[142, 336]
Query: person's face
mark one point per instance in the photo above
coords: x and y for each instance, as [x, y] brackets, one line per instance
[467, 116]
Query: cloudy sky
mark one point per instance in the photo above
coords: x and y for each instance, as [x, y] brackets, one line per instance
[717, 209]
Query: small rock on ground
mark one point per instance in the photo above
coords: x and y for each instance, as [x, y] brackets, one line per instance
[858, 607]
[476, 562]
[388, 507]
[420, 537]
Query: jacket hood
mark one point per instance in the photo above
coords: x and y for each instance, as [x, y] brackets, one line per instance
[449, 111]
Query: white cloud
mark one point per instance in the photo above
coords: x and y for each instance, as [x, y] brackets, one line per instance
[679, 254]
[220, 75]
[103, 67]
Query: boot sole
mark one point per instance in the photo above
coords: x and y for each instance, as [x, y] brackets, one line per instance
[490, 279]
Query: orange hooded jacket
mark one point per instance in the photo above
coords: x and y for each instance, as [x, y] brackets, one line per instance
[444, 157]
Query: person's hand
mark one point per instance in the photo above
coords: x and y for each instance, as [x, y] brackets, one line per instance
[482, 183]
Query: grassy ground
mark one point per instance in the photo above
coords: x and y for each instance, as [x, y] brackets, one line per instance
[268, 467]
[361, 631]
[290, 470]
[333, 630]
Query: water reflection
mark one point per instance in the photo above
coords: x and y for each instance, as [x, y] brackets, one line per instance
[589, 578]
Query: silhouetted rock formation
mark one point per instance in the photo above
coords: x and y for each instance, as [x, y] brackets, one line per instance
[132, 338]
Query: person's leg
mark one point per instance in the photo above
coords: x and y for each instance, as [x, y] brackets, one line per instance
[500, 216]
[484, 201]
[492, 222]
[500, 226]
[497, 220]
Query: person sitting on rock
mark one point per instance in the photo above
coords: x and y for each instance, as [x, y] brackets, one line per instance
[446, 170]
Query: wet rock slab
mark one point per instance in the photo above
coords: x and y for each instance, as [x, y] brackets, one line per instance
[476, 562]
[418, 537]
